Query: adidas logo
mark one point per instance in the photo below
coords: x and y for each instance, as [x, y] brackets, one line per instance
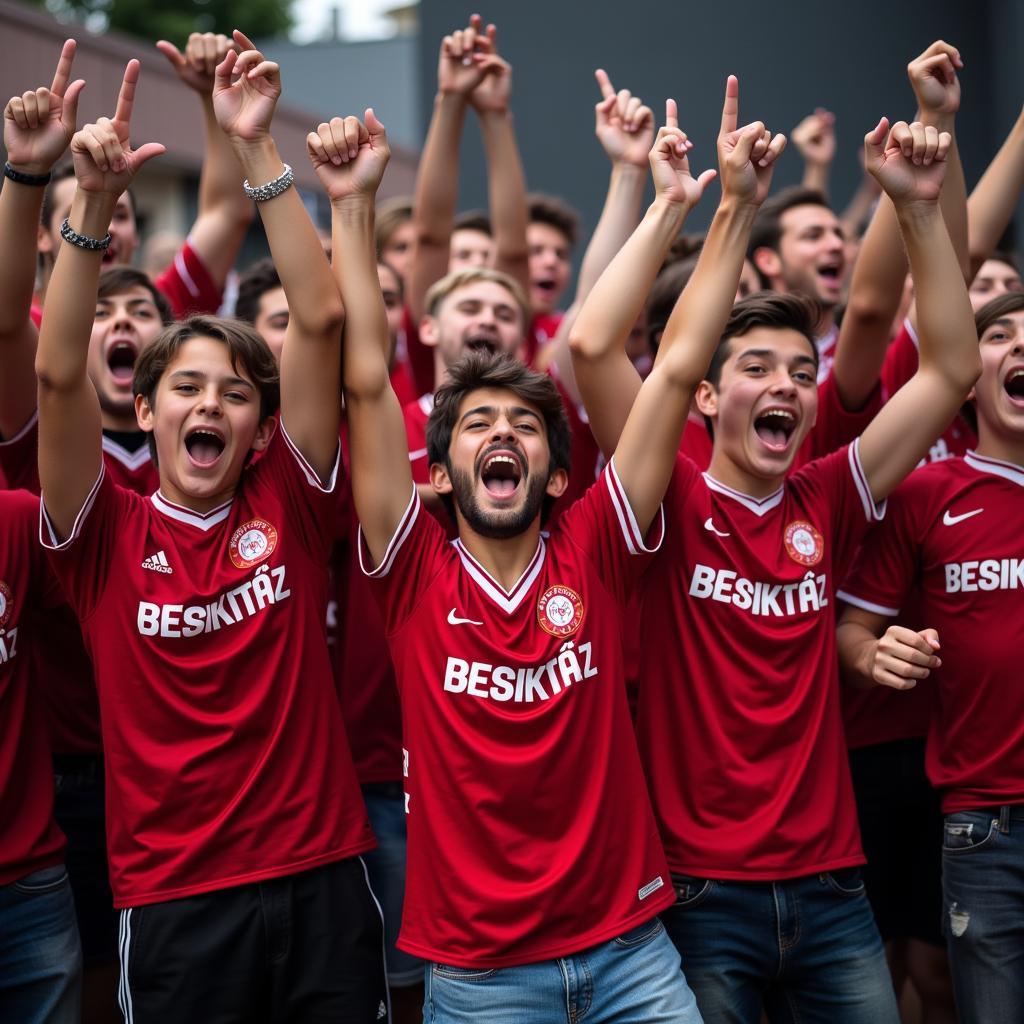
[382, 1011]
[157, 562]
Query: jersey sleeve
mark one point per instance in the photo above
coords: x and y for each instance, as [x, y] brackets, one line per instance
[413, 558]
[188, 286]
[311, 502]
[603, 525]
[837, 425]
[81, 562]
[19, 458]
[901, 361]
[887, 564]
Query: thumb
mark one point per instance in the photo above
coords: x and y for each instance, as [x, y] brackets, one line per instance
[172, 53]
[931, 636]
[373, 125]
[747, 137]
[70, 113]
[222, 73]
[874, 141]
[147, 151]
[705, 179]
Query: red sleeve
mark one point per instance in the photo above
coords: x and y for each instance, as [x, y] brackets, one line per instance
[188, 286]
[19, 458]
[900, 361]
[421, 358]
[603, 525]
[836, 425]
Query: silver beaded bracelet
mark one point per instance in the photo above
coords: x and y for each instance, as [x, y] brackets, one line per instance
[272, 189]
[69, 234]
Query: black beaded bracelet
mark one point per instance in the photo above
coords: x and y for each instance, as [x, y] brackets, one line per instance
[25, 179]
[69, 234]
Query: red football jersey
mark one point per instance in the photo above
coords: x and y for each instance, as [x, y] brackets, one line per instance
[188, 286]
[416, 415]
[954, 542]
[226, 755]
[900, 365]
[531, 835]
[738, 715]
[29, 837]
[826, 352]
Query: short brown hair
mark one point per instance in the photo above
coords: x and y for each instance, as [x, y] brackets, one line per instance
[766, 232]
[248, 351]
[440, 290]
[766, 309]
[473, 220]
[996, 309]
[118, 280]
[391, 215]
[258, 279]
[476, 371]
[545, 209]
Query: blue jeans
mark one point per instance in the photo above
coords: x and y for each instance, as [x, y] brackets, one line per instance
[385, 804]
[40, 956]
[633, 979]
[806, 949]
[983, 897]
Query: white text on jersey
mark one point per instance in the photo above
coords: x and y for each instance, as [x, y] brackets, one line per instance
[8, 644]
[521, 685]
[987, 574]
[773, 599]
[266, 587]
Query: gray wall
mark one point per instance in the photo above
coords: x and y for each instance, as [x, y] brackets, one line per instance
[790, 57]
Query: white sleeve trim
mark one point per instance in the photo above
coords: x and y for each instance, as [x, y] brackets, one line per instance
[326, 486]
[398, 538]
[868, 606]
[32, 421]
[635, 541]
[873, 511]
[182, 269]
[48, 535]
[913, 334]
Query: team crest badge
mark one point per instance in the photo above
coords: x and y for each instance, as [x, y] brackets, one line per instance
[560, 611]
[6, 603]
[251, 543]
[803, 543]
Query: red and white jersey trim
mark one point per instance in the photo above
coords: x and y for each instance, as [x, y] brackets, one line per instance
[636, 544]
[182, 270]
[868, 606]
[200, 520]
[759, 506]
[130, 460]
[1007, 470]
[48, 535]
[30, 423]
[326, 486]
[405, 524]
[912, 334]
[874, 511]
[507, 600]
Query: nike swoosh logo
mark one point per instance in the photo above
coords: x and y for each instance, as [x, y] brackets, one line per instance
[949, 520]
[708, 525]
[454, 620]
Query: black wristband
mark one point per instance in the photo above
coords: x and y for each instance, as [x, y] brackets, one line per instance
[69, 234]
[25, 179]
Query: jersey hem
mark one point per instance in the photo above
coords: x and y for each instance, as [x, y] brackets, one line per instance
[129, 901]
[967, 800]
[768, 875]
[45, 523]
[31, 422]
[52, 859]
[567, 948]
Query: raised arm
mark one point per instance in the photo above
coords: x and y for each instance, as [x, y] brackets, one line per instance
[909, 162]
[995, 197]
[245, 94]
[815, 138]
[873, 652]
[459, 72]
[70, 431]
[881, 268]
[625, 129]
[646, 451]
[506, 182]
[38, 126]
[225, 212]
[350, 157]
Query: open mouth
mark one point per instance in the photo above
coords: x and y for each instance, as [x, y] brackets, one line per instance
[832, 273]
[501, 474]
[121, 361]
[775, 427]
[1014, 385]
[204, 446]
[548, 285]
[109, 257]
[482, 343]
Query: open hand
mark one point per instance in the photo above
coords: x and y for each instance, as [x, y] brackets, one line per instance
[39, 125]
[909, 162]
[246, 89]
[901, 657]
[197, 66]
[104, 159]
[625, 127]
[349, 155]
[746, 156]
[670, 165]
[934, 80]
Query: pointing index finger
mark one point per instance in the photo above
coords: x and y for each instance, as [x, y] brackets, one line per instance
[126, 97]
[731, 107]
[671, 114]
[63, 72]
[604, 83]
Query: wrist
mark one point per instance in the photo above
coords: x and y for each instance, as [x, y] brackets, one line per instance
[492, 115]
[667, 210]
[260, 160]
[91, 212]
[736, 208]
[943, 121]
[451, 100]
[627, 170]
[914, 214]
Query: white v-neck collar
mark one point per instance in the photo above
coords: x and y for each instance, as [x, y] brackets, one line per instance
[507, 600]
[1007, 470]
[759, 506]
[201, 520]
[130, 460]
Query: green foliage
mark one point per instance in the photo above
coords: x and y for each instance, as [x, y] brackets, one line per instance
[153, 19]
